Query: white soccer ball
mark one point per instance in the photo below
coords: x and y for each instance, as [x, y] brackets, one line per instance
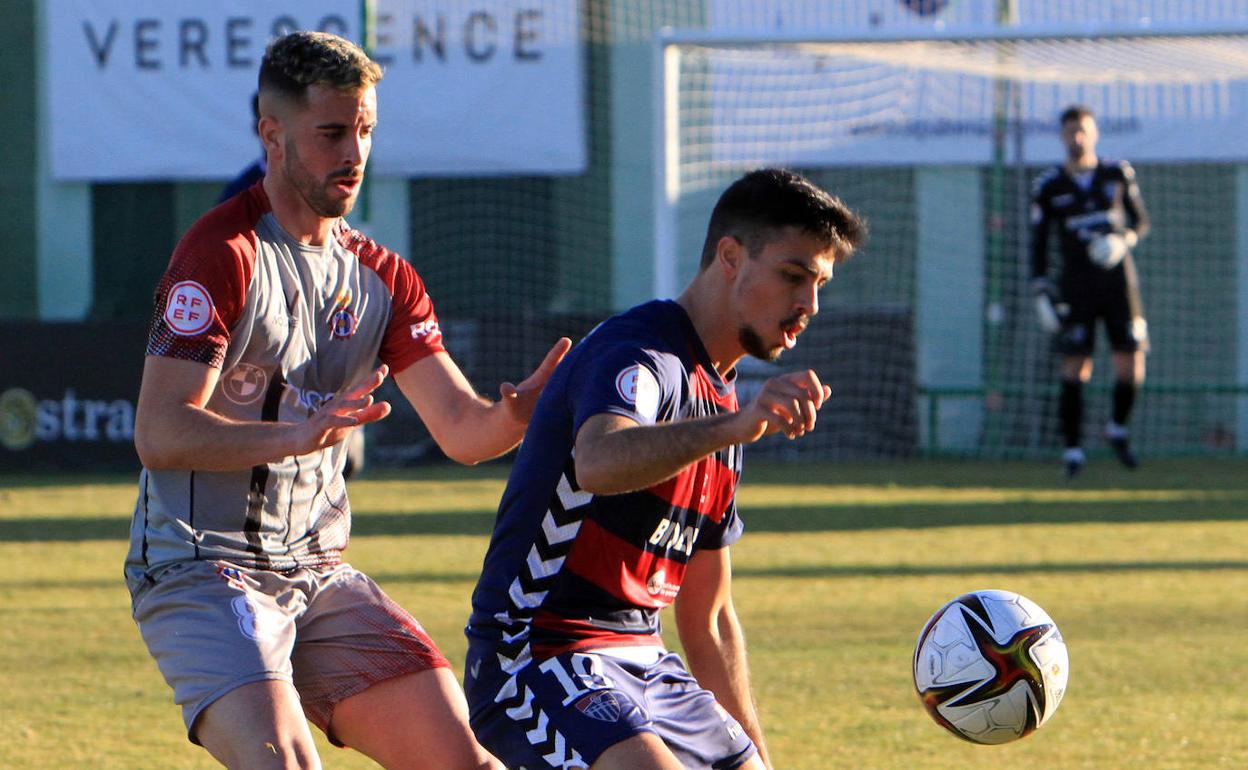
[990, 666]
[1106, 251]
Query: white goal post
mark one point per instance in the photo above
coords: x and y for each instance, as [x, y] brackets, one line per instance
[966, 117]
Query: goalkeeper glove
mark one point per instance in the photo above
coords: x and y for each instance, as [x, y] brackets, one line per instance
[1046, 313]
[1107, 250]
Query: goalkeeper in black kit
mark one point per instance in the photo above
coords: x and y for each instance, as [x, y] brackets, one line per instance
[1100, 216]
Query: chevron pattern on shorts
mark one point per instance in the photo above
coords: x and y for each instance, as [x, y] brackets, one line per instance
[548, 741]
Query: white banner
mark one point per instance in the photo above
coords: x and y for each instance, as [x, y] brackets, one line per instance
[149, 89]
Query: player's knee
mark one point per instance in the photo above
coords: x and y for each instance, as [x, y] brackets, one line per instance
[277, 754]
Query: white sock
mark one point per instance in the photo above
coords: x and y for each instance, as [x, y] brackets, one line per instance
[1074, 454]
[1114, 430]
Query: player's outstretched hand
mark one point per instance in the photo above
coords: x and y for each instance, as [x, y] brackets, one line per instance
[787, 403]
[520, 399]
[344, 413]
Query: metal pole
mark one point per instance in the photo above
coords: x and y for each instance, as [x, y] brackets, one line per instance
[368, 41]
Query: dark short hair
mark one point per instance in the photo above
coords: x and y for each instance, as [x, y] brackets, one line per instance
[1075, 112]
[756, 207]
[296, 61]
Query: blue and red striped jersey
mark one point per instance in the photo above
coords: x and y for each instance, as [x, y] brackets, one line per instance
[570, 570]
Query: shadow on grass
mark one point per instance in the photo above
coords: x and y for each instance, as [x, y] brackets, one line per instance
[811, 518]
[806, 571]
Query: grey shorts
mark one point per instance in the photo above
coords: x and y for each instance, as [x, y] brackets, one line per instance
[213, 626]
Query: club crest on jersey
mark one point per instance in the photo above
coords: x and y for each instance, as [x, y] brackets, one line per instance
[637, 386]
[189, 310]
[244, 384]
[601, 705]
[343, 324]
[342, 320]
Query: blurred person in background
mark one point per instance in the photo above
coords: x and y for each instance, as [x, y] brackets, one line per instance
[255, 171]
[1096, 206]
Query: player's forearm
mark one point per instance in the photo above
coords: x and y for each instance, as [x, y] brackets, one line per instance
[641, 456]
[1137, 213]
[193, 438]
[479, 430]
[1039, 250]
[717, 660]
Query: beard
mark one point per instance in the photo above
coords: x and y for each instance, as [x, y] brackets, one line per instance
[752, 342]
[312, 190]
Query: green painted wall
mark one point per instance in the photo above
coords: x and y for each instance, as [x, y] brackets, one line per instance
[18, 130]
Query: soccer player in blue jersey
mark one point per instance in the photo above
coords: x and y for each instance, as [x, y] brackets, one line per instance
[1097, 207]
[622, 501]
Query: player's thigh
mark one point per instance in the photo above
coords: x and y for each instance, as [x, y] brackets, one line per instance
[645, 750]
[418, 721]
[1127, 333]
[213, 627]
[1129, 366]
[1077, 337]
[352, 637]
[649, 751]
[1122, 310]
[258, 725]
[1076, 368]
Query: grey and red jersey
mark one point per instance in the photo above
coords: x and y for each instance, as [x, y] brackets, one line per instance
[289, 325]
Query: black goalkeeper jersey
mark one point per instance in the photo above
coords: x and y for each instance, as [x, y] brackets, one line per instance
[1110, 202]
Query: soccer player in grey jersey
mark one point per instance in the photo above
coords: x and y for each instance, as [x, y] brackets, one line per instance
[1097, 208]
[264, 351]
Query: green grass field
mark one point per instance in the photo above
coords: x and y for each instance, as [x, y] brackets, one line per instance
[1146, 574]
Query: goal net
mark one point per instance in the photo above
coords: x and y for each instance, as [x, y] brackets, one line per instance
[928, 336]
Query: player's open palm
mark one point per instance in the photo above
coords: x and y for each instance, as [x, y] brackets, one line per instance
[521, 399]
[345, 412]
[788, 403]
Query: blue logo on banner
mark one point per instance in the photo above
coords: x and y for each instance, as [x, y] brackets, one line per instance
[925, 7]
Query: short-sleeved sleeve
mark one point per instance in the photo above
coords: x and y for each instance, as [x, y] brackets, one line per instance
[623, 379]
[413, 331]
[202, 292]
[723, 533]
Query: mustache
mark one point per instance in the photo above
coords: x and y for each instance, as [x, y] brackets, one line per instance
[348, 174]
[798, 319]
